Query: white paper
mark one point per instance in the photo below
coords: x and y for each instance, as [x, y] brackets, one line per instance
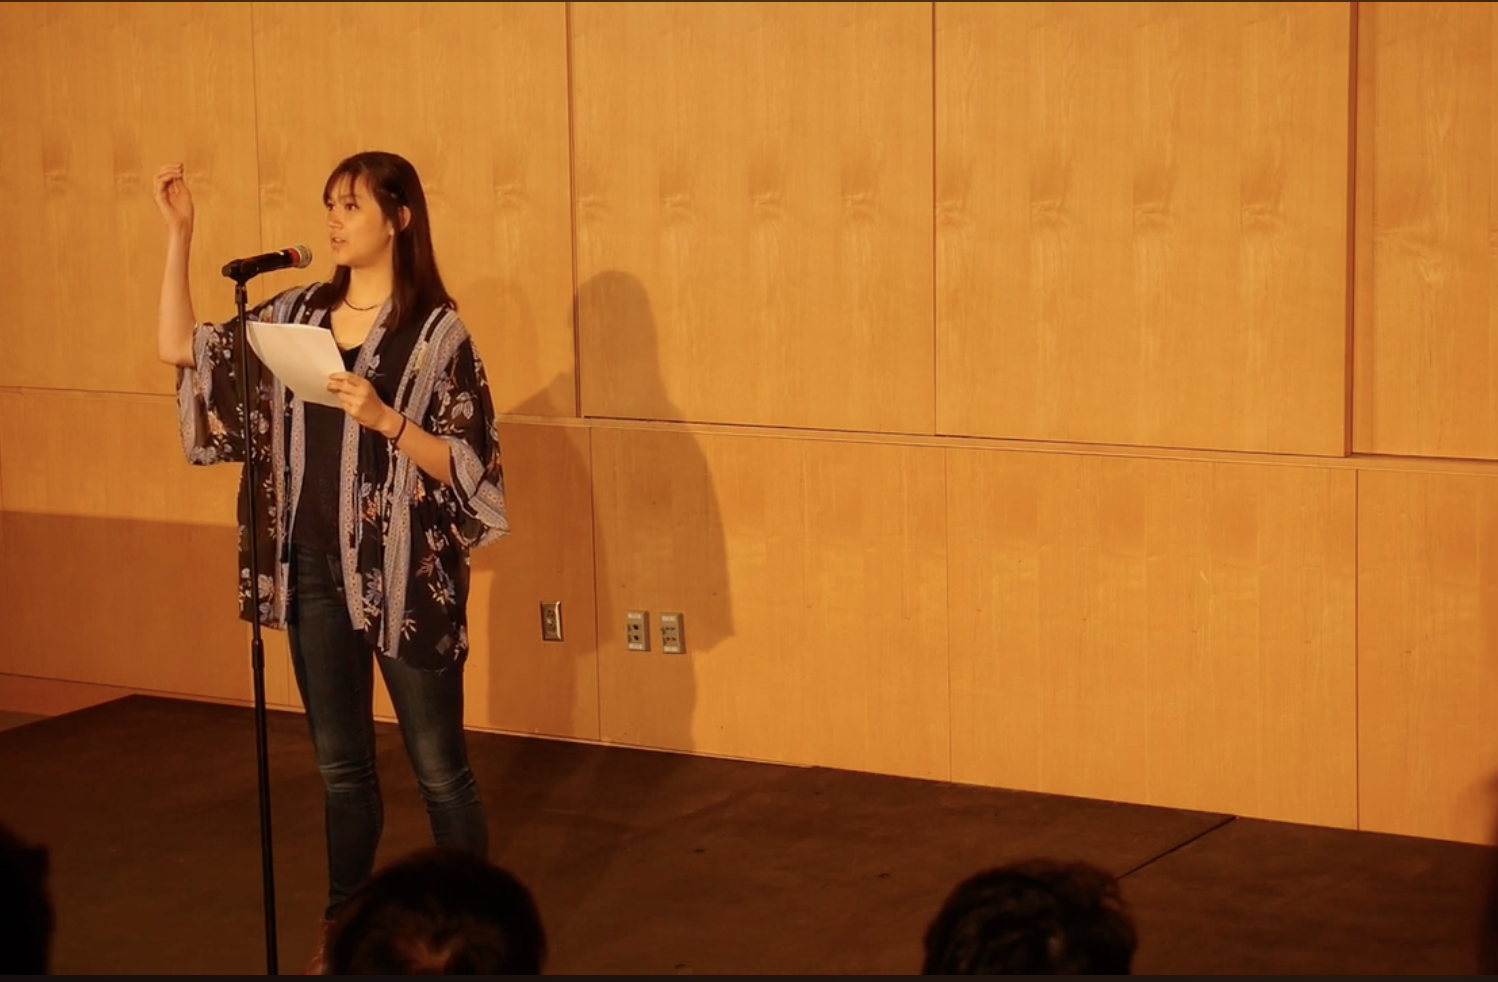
[301, 356]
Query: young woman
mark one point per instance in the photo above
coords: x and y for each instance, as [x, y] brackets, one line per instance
[365, 514]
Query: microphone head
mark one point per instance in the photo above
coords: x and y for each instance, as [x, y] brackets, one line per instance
[303, 256]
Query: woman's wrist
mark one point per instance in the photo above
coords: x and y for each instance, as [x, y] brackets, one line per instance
[395, 428]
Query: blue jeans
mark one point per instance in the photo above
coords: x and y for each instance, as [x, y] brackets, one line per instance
[333, 666]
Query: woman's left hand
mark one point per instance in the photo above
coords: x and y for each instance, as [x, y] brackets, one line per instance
[359, 399]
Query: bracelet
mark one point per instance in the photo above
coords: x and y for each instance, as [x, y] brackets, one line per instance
[400, 432]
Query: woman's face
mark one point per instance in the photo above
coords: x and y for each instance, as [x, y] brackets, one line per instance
[358, 232]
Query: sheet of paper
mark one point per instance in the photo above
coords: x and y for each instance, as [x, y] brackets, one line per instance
[301, 356]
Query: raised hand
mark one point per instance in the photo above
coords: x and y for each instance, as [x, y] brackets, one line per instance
[173, 199]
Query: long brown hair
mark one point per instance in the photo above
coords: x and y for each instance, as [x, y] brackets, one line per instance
[392, 180]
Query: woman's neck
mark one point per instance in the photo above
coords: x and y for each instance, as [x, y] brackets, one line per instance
[368, 286]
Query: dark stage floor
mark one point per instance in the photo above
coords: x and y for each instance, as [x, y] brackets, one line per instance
[656, 863]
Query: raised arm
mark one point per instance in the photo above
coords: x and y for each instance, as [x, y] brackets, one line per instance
[176, 318]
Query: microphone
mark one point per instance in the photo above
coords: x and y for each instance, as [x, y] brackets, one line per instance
[297, 257]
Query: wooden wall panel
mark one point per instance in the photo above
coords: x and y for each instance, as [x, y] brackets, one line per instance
[1167, 632]
[1428, 654]
[120, 554]
[754, 240]
[107, 457]
[1427, 341]
[812, 577]
[93, 98]
[475, 96]
[9, 611]
[516, 681]
[1142, 223]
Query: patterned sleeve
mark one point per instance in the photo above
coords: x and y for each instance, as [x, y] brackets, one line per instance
[209, 413]
[463, 415]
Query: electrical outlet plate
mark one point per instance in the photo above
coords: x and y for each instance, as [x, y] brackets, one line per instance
[637, 630]
[673, 635]
[551, 620]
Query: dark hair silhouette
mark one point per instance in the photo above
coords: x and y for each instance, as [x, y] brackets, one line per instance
[1033, 918]
[438, 911]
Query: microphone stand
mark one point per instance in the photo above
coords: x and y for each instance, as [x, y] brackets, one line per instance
[257, 647]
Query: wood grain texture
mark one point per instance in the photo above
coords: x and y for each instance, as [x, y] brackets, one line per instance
[1426, 348]
[93, 98]
[119, 561]
[1161, 632]
[759, 174]
[475, 96]
[812, 577]
[106, 457]
[1141, 221]
[1428, 654]
[515, 681]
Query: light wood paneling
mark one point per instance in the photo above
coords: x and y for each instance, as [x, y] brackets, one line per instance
[1362, 223]
[93, 98]
[812, 577]
[1427, 341]
[9, 611]
[1163, 632]
[515, 681]
[107, 457]
[119, 556]
[754, 212]
[475, 96]
[1142, 223]
[1428, 654]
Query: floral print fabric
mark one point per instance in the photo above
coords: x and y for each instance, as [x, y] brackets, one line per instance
[404, 536]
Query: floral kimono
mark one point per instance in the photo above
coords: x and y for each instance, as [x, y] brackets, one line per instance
[404, 537]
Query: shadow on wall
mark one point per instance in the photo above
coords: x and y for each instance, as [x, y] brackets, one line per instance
[658, 531]
[641, 506]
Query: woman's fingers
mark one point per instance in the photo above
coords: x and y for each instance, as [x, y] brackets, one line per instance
[166, 175]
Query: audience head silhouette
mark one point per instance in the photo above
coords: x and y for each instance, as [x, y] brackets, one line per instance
[26, 918]
[1033, 918]
[438, 911]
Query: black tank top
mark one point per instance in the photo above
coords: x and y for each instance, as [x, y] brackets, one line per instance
[315, 525]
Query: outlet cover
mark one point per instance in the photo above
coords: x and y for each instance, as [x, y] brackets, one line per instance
[673, 634]
[637, 630]
[551, 620]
